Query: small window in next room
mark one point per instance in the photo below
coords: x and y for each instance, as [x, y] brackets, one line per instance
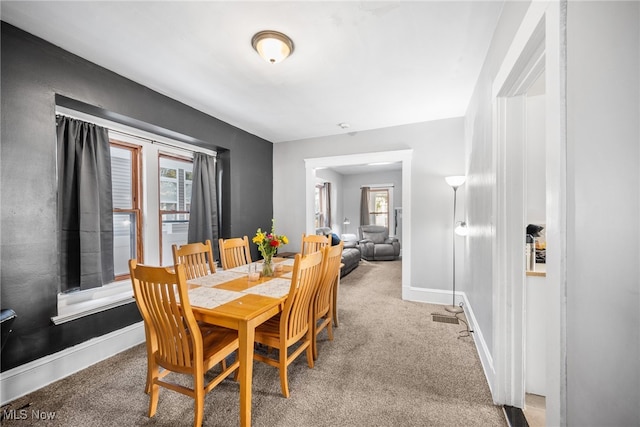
[379, 206]
[318, 212]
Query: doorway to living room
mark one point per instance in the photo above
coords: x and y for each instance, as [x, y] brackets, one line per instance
[313, 165]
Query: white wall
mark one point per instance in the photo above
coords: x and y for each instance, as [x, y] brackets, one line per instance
[603, 214]
[438, 151]
[535, 158]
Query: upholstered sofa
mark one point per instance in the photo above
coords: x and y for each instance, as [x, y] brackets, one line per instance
[350, 250]
[376, 245]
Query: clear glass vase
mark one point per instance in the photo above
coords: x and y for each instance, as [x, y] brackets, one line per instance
[267, 266]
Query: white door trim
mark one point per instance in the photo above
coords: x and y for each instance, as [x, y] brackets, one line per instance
[403, 156]
[509, 260]
[539, 45]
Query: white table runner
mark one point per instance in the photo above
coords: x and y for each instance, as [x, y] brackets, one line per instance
[244, 269]
[276, 288]
[217, 278]
[211, 297]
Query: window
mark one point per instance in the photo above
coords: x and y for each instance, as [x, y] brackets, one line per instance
[151, 185]
[175, 180]
[319, 210]
[127, 227]
[323, 205]
[379, 206]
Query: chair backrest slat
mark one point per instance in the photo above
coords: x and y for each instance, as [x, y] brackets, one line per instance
[234, 252]
[297, 310]
[314, 243]
[197, 259]
[161, 295]
[332, 257]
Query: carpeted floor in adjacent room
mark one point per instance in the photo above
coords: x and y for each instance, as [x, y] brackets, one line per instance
[389, 365]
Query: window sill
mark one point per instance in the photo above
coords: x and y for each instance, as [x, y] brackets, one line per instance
[91, 301]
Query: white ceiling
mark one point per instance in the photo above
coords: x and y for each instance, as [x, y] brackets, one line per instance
[370, 64]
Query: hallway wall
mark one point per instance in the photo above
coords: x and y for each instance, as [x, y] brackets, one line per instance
[603, 213]
[600, 368]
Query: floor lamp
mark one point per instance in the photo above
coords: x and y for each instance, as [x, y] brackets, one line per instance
[454, 182]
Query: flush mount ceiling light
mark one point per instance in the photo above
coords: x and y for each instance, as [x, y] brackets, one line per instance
[272, 46]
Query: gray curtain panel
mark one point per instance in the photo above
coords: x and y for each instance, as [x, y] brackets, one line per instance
[364, 206]
[203, 217]
[85, 206]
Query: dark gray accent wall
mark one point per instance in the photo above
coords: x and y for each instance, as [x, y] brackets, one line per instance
[34, 74]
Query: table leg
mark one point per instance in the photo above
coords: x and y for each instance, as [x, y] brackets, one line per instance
[246, 334]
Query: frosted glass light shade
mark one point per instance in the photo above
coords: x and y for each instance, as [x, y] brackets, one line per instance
[272, 46]
[455, 181]
[461, 228]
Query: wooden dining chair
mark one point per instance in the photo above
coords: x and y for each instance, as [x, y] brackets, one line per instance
[198, 261]
[197, 258]
[234, 252]
[314, 243]
[293, 324]
[323, 301]
[180, 346]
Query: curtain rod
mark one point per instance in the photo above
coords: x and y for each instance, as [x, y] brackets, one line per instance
[152, 141]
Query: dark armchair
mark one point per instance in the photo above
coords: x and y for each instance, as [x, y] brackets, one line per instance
[376, 245]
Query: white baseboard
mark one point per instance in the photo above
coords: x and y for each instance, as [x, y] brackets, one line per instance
[486, 360]
[31, 376]
[429, 296]
[442, 297]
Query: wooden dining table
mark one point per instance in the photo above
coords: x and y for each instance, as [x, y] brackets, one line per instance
[228, 298]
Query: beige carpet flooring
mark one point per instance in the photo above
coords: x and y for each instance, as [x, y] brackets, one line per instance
[389, 365]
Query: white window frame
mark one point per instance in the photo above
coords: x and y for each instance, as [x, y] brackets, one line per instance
[174, 158]
[72, 306]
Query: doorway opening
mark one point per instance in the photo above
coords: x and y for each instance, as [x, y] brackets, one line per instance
[402, 156]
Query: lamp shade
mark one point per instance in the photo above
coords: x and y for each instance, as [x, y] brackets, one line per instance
[456, 180]
[272, 46]
[461, 228]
